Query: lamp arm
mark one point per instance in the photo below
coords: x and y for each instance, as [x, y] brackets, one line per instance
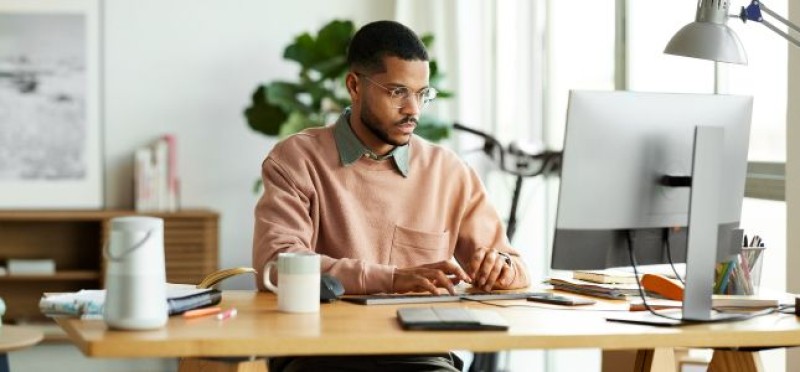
[779, 18]
[780, 32]
[753, 13]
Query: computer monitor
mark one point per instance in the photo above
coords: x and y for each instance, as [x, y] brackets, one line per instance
[618, 148]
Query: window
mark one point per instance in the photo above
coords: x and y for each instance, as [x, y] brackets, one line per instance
[649, 29]
[523, 58]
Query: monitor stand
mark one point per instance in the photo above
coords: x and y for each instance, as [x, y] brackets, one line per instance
[673, 318]
[701, 250]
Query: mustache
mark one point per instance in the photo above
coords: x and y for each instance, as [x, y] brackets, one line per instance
[408, 120]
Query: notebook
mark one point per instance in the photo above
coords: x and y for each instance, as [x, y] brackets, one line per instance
[450, 318]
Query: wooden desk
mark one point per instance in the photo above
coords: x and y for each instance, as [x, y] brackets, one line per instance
[344, 328]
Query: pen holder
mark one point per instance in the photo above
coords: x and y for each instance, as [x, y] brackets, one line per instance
[742, 275]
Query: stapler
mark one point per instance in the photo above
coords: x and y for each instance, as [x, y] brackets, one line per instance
[663, 286]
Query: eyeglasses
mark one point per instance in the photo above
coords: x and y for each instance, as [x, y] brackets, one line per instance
[400, 95]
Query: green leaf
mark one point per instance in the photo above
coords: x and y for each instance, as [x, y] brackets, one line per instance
[436, 76]
[296, 123]
[285, 95]
[427, 40]
[333, 39]
[285, 107]
[432, 129]
[302, 51]
[444, 94]
[262, 116]
[434, 68]
[331, 67]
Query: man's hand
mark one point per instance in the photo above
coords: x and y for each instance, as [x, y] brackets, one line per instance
[488, 269]
[428, 278]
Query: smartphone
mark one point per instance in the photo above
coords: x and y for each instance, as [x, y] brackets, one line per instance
[559, 300]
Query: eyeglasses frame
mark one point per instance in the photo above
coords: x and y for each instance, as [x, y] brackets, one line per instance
[391, 91]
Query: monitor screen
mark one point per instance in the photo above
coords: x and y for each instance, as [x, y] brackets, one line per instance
[617, 148]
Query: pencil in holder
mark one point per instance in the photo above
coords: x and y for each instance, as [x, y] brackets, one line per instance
[742, 275]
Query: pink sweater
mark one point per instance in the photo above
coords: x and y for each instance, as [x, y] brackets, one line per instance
[366, 219]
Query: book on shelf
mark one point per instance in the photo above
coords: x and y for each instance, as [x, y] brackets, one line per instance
[156, 182]
[605, 276]
[18, 266]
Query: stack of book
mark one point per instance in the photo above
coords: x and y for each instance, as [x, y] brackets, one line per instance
[610, 283]
[661, 291]
[605, 276]
[88, 303]
[602, 290]
[156, 184]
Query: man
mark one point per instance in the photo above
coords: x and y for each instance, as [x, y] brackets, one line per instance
[386, 210]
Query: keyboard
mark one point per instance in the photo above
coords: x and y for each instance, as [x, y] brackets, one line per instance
[394, 299]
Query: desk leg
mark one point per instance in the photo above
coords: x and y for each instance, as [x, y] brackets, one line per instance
[738, 361]
[656, 360]
[222, 365]
[653, 360]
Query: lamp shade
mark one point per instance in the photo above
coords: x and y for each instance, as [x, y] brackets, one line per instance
[707, 40]
[708, 37]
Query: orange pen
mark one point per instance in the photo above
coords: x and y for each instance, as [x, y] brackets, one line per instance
[202, 312]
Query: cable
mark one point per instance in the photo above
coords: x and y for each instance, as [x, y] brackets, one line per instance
[669, 256]
[638, 282]
[652, 311]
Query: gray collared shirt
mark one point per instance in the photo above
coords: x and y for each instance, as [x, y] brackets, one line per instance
[351, 149]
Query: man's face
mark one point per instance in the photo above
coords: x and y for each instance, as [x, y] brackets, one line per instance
[381, 125]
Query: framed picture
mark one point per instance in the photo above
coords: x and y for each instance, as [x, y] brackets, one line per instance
[50, 154]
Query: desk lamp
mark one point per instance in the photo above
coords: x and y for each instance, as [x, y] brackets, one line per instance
[708, 37]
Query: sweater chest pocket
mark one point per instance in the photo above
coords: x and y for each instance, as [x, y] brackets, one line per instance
[413, 247]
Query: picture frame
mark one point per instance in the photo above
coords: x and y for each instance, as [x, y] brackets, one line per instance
[50, 113]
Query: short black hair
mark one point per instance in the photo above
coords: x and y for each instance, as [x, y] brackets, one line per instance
[380, 39]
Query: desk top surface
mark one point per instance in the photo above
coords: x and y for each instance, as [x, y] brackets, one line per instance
[345, 328]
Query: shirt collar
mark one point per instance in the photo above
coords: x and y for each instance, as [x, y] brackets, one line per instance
[351, 149]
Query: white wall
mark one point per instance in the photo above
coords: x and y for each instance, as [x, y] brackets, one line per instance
[188, 67]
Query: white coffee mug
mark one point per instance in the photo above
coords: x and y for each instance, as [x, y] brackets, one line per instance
[298, 282]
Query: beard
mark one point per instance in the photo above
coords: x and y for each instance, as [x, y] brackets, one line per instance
[372, 123]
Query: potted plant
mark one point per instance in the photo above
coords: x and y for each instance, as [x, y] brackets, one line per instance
[318, 96]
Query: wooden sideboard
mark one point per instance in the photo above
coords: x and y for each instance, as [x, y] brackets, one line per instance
[75, 239]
